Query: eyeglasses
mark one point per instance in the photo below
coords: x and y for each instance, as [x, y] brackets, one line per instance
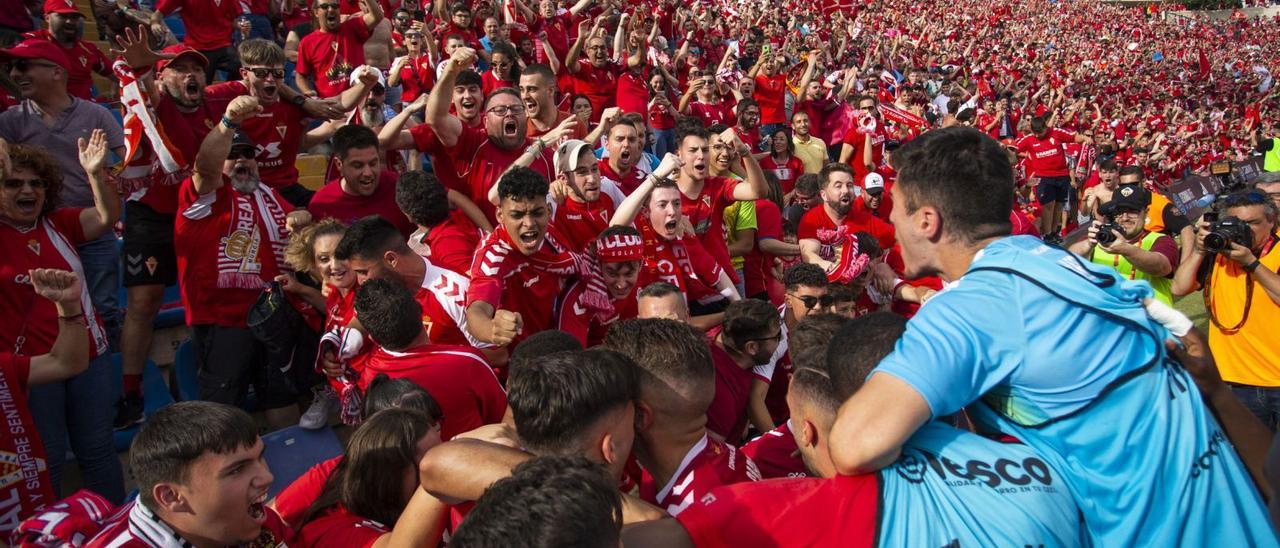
[242, 153]
[776, 336]
[17, 184]
[24, 65]
[811, 301]
[1248, 198]
[503, 110]
[262, 72]
[324, 7]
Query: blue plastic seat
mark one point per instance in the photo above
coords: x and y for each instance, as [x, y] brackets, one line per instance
[155, 394]
[291, 451]
[184, 372]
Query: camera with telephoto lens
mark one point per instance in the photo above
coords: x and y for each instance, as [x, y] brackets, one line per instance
[1106, 234]
[1225, 232]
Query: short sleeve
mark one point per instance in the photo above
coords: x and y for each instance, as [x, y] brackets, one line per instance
[67, 221]
[304, 64]
[1167, 247]
[945, 358]
[705, 267]
[806, 230]
[768, 221]
[746, 218]
[357, 28]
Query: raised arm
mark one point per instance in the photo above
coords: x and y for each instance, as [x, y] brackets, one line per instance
[627, 211]
[756, 187]
[586, 29]
[106, 204]
[69, 355]
[393, 136]
[447, 126]
[372, 13]
[207, 172]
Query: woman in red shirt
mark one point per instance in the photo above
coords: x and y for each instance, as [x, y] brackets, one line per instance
[503, 71]
[782, 161]
[662, 114]
[373, 496]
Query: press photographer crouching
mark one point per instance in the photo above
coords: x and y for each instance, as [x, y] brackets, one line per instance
[1119, 240]
[1242, 297]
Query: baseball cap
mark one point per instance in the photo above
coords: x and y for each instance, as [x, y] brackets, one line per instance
[1131, 197]
[61, 6]
[873, 183]
[35, 48]
[241, 140]
[567, 154]
[179, 51]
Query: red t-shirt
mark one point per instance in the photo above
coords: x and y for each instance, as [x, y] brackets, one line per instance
[560, 30]
[416, 78]
[787, 172]
[525, 290]
[727, 415]
[709, 464]
[185, 131]
[857, 221]
[751, 138]
[706, 213]
[633, 92]
[787, 512]
[329, 57]
[333, 202]
[579, 130]
[774, 453]
[1046, 157]
[276, 131]
[85, 59]
[476, 161]
[198, 234]
[600, 85]
[757, 266]
[51, 243]
[683, 263]
[451, 244]
[341, 529]
[294, 500]
[489, 82]
[712, 113]
[856, 139]
[134, 526]
[582, 222]
[208, 22]
[457, 377]
[771, 94]
[627, 183]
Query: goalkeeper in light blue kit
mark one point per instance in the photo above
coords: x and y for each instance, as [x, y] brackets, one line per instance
[1056, 352]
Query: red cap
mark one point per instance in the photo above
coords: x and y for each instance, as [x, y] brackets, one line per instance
[61, 6]
[179, 51]
[35, 48]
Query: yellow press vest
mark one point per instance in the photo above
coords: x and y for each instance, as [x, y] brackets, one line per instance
[1163, 286]
[1271, 162]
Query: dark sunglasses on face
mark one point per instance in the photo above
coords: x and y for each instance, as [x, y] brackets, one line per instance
[811, 301]
[17, 184]
[262, 72]
[325, 7]
[241, 153]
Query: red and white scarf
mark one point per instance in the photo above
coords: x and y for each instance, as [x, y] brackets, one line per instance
[841, 247]
[242, 261]
[553, 258]
[139, 123]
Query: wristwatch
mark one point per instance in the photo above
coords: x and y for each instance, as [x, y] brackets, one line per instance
[298, 100]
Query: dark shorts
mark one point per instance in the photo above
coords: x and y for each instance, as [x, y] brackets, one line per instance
[147, 253]
[296, 194]
[230, 359]
[1053, 189]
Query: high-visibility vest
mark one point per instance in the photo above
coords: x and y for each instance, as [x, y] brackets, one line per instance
[1271, 162]
[1162, 285]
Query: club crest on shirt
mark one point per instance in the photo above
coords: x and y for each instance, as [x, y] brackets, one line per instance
[282, 130]
[152, 264]
[34, 246]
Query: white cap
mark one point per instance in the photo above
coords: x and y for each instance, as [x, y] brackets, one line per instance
[567, 154]
[355, 74]
[873, 182]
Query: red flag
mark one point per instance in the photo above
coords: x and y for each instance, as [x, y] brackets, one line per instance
[1204, 65]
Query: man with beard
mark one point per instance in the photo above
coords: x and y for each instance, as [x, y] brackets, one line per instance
[704, 198]
[230, 237]
[538, 91]
[811, 151]
[208, 31]
[623, 163]
[278, 131]
[468, 98]
[478, 156]
[836, 213]
[582, 209]
[743, 357]
[863, 147]
[596, 76]
[66, 29]
[748, 126]
[327, 56]
[364, 188]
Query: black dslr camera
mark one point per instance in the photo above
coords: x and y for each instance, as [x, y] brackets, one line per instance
[1107, 231]
[1225, 232]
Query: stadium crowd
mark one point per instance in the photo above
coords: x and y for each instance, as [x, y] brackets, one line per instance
[724, 273]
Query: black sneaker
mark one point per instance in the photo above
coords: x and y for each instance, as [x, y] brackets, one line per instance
[128, 412]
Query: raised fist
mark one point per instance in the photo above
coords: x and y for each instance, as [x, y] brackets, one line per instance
[242, 107]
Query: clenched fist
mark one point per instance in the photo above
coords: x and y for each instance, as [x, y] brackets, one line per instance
[506, 326]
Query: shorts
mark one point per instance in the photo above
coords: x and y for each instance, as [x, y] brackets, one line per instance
[230, 359]
[297, 195]
[1053, 189]
[147, 252]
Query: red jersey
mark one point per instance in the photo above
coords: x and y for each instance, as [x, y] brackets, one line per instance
[523, 289]
[135, 526]
[582, 222]
[333, 202]
[782, 513]
[476, 161]
[757, 266]
[30, 324]
[787, 172]
[771, 93]
[341, 529]
[443, 296]
[857, 221]
[628, 182]
[208, 22]
[85, 59]
[329, 57]
[632, 93]
[750, 137]
[451, 244]
[294, 500]
[579, 130]
[186, 131]
[683, 263]
[712, 113]
[1046, 157]
[709, 464]
[705, 212]
[600, 85]
[226, 252]
[457, 377]
[276, 131]
[857, 140]
[774, 453]
[489, 82]
[560, 31]
[416, 78]
[727, 415]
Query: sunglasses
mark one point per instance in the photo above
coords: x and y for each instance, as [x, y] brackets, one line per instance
[17, 184]
[1248, 198]
[242, 153]
[262, 72]
[811, 301]
[24, 65]
[325, 7]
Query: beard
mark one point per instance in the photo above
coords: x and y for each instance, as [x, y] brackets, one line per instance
[245, 181]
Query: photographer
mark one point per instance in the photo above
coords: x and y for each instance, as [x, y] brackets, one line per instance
[1120, 240]
[1242, 295]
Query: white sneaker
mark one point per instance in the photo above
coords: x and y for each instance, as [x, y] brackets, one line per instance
[317, 416]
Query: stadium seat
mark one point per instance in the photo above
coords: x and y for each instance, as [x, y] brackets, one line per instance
[155, 394]
[184, 372]
[291, 451]
[311, 170]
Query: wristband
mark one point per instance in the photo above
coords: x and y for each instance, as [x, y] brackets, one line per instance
[1252, 266]
[229, 124]
[72, 317]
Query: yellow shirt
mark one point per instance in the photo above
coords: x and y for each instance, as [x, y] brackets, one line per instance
[1251, 355]
[812, 154]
